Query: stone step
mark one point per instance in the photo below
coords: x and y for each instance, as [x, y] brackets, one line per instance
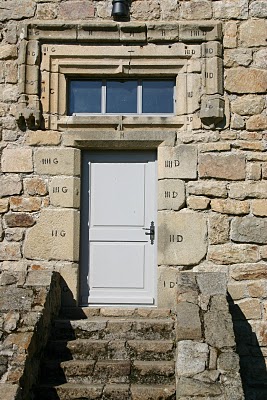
[89, 349]
[70, 391]
[151, 372]
[114, 371]
[115, 328]
[72, 313]
[109, 371]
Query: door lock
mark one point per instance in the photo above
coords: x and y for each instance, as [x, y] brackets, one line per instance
[151, 232]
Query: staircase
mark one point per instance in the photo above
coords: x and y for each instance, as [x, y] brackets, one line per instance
[116, 354]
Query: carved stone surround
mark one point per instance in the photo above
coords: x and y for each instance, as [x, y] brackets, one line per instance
[50, 52]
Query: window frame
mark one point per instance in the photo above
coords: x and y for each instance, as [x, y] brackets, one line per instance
[104, 80]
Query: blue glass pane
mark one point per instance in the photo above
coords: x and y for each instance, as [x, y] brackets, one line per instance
[157, 97]
[121, 97]
[85, 96]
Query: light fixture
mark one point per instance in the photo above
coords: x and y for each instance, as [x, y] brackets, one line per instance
[120, 8]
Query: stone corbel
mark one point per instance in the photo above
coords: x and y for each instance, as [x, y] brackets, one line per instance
[212, 110]
[29, 112]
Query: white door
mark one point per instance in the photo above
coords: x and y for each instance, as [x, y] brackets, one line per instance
[119, 247]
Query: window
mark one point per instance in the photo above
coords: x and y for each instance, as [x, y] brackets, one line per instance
[120, 97]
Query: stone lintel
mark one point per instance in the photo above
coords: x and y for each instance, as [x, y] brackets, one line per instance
[198, 31]
[115, 139]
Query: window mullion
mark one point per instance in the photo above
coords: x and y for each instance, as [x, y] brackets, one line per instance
[139, 97]
[104, 97]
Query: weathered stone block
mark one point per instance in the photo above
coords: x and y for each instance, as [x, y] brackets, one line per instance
[178, 162]
[171, 194]
[258, 9]
[236, 57]
[146, 11]
[244, 80]
[230, 34]
[219, 316]
[228, 206]
[28, 204]
[253, 33]
[249, 230]
[162, 32]
[189, 387]
[248, 105]
[225, 166]
[54, 236]
[230, 9]
[228, 361]
[43, 138]
[233, 253]
[259, 208]
[257, 123]
[167, 287]
[10, 251]
[196, 10]
[182, 238]
[76, 10]
[249, 271]
[57, 161]
[251, 308]
[132, 32]
[17, 160]
[254, 171]
[212, 188]
[198, 202]
[188, 325]
[69, 282]
[22, 220]
[260, 59]
[8, 51]
[65, 192]
[35, 186]
[213, 75]
[14, 234]
[192, 357]
[245, 190]
[4, 205]
[219, 227]
[211, 283]
[237, 290]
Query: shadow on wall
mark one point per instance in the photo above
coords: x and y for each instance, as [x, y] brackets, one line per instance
[252, 362]
[59, 349]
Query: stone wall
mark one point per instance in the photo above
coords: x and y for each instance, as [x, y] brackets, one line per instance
[207, 365]
[224, 203]
[29, 302]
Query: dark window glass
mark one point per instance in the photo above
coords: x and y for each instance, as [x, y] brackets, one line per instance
[121, 97]
[85, 96]
[157, 96]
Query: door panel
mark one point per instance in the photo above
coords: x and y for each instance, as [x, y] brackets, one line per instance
[119, 202]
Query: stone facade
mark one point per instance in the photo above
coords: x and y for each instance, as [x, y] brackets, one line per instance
[214, 146]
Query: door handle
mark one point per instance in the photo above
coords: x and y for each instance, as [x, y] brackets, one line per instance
[151, 232]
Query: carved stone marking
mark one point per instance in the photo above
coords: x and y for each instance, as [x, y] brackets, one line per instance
[57, 162]
[65, 192]
[54, 237]
[182, 238]
[167, 284]
[171, 194]
[178, 162]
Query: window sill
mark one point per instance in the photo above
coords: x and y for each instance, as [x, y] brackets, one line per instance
[118, 122]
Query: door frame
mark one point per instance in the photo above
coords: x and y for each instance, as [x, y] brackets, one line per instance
[84, 229]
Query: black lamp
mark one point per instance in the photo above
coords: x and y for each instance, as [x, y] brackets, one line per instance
[119, 8]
